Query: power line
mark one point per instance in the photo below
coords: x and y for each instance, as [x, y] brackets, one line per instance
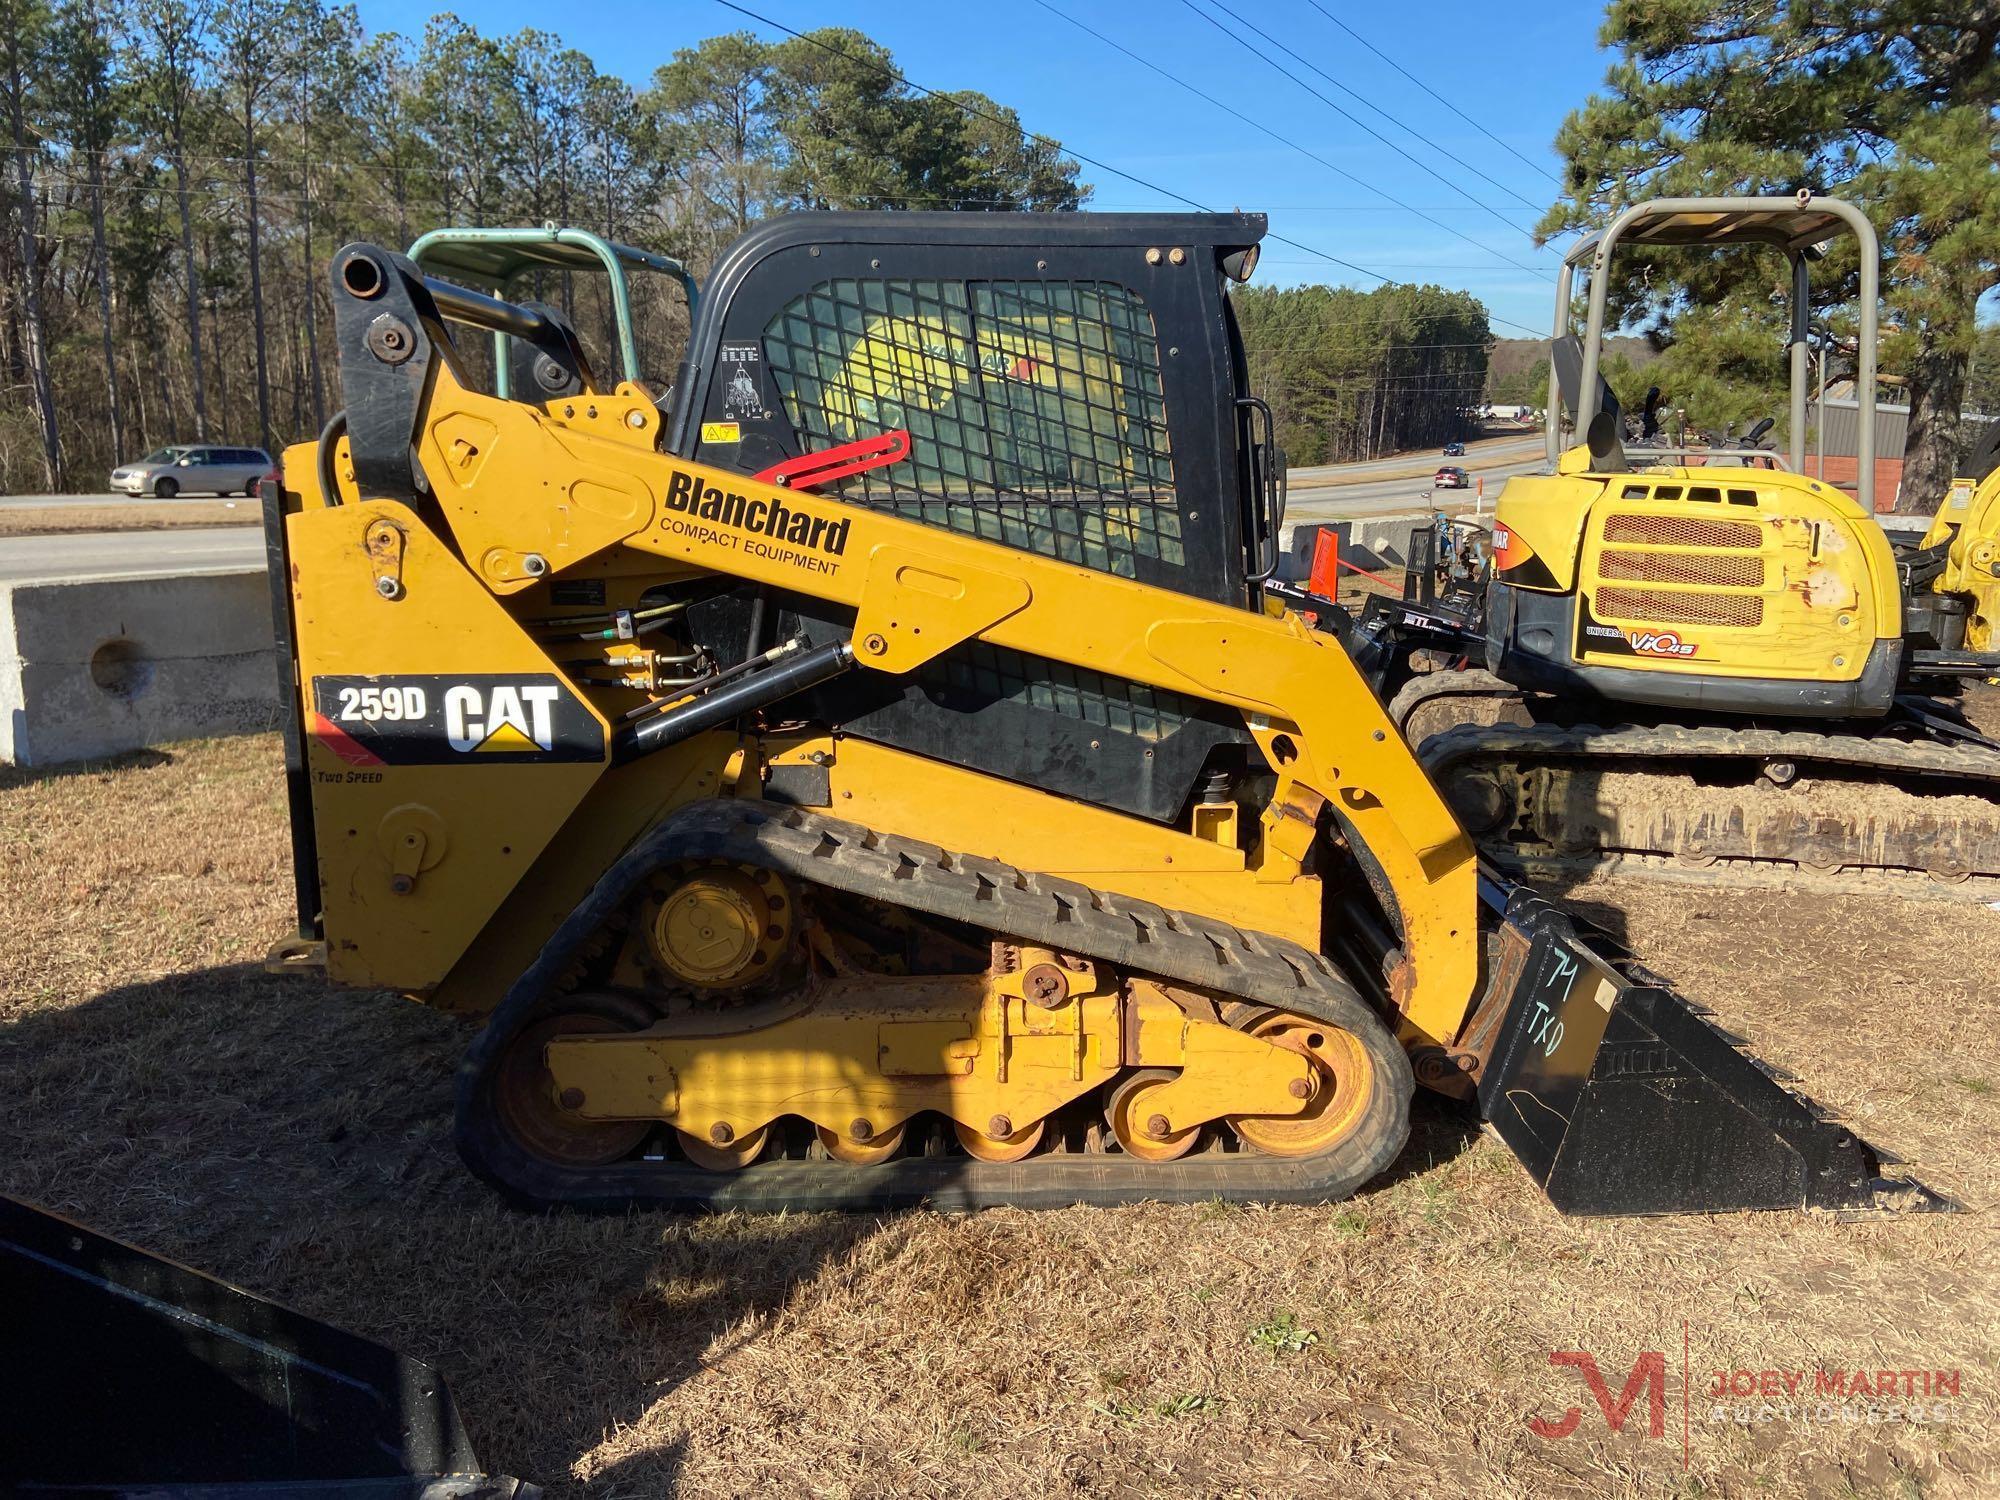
[1409, 129]
[1534, 166]
[127, 152]
[1033, 136]
[1232, 110]
[930, 93]
[1414, 161]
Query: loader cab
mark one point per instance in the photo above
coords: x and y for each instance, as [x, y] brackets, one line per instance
[1713, 577]
[588, 341]
[1073, 384]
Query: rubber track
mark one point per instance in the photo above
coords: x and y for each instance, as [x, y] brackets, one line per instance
[1134, 936]
[1460, 682]
[1957, 766]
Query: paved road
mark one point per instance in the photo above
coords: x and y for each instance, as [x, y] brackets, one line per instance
[1308, 501]
[1482, 454]
[98, 554]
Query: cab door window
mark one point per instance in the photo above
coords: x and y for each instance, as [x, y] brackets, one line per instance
[1035, 408]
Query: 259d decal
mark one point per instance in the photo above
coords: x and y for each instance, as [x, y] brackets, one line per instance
[430, 719]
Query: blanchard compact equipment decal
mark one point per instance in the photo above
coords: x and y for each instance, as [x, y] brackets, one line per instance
[425, 719]
[760, 528]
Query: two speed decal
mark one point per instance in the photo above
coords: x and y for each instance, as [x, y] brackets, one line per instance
[434, 719]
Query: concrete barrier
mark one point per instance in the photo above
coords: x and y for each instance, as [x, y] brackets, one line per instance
[1374, 542]
[91, 667]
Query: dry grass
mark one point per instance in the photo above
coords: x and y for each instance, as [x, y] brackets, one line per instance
[62, 520]
[297, 1141]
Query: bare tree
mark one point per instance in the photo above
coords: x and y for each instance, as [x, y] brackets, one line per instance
[173, 59]
[24, 31]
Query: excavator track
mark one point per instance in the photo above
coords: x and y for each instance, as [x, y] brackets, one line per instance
[1255, 974]
[1833, 812]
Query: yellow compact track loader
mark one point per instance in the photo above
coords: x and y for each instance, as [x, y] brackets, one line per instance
[872, 772]
[1701, 659]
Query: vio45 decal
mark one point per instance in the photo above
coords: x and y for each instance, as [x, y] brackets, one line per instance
[1659, 643]
[427, 719]
[1598, 638]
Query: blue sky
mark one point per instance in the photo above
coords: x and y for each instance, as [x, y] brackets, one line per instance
[1515, 70]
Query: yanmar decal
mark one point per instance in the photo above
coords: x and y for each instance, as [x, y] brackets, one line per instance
[1514, 561]
[427, 719]
[768, 529]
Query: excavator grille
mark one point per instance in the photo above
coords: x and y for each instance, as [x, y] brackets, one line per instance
[1671, 607]
[1682, 531]
[1721, 570]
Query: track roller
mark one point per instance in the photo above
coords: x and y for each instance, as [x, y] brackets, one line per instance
[999, 1142]
[862, 1147]
[722, 1150]
[1140, 1131]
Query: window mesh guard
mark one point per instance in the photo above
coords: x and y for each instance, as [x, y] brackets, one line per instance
[1035, 409]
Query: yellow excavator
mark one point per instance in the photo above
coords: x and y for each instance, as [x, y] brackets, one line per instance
[1704, 659]
[873, 771]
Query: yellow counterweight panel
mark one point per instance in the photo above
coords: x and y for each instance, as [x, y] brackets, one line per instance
[1734, 572]
[1538, 518]
[413, 858]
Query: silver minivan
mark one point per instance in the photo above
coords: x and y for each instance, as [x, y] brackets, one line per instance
[182, 470]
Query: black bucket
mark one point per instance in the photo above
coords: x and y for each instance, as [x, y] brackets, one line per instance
[125, 1374]
[1621, 1097]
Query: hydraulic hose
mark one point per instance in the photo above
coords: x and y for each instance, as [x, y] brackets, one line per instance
[329, 438]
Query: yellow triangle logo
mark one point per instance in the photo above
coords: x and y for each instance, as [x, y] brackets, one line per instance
[506, 737]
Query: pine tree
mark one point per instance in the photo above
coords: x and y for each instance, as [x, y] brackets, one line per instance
[1887, 102]
[178, 172]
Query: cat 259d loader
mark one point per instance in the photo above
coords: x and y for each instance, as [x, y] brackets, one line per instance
[872, 772]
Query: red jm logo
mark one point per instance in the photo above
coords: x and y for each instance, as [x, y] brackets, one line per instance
[1649, 1375]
